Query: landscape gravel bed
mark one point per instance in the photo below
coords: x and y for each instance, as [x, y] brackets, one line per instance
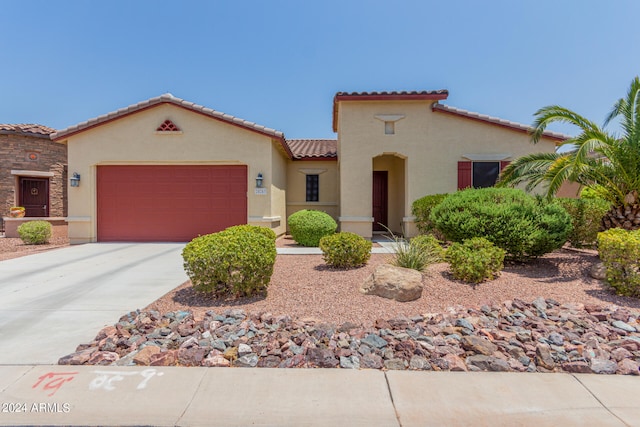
[315, 316]
[14, 247]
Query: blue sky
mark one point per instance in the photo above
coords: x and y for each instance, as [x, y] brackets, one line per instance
[279, 63]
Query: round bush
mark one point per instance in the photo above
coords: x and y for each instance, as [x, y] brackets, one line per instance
[511, 219]
[345, 250]
[266, 232]
[307, 227]
[475, 260]
[235, 262]
[35, 232]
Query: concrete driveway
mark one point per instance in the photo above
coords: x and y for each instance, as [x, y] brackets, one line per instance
[53, 301]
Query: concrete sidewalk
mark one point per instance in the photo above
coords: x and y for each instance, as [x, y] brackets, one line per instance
[52, 301]
[97, 395]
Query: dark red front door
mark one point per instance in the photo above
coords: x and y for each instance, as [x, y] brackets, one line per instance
[380, 197]
[34, 196]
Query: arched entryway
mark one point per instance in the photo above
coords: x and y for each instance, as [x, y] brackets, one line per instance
[389, 192]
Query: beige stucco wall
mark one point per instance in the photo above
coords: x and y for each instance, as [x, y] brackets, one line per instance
[431, 142]
[327, 171]
[133, 140]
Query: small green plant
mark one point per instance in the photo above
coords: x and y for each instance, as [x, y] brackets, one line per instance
[417, 256]
[586, 219]
[235, 262]
[421, 209]
[345, 250]
[619, 250]
[307, 227]
[511, 219]
[35, 232]
[266, 232]
[475, 260]
[429, 244]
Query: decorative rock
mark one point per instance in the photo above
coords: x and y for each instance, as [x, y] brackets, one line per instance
[215, 361]
[143, 357]
[464, 323]
[624, 326]
[478, 345]
[603, 366]
[397, 283]
[455, 363]
[351, 362]
[192, 356]
[544, 358]
[371, 361]
[322, 358]
[244, 349]
[165, 358]
[247, 361]
[269, 361]
[628, 367]
[577, 367]
[419, 363]
[395, 364]
[598, 271]
[555, 338]
[487, 363]
[78, 358]
[103, 358]
[372, 340]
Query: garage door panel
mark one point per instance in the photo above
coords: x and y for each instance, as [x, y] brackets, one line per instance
[169, 203]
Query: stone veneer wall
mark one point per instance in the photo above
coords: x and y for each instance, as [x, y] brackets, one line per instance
[52, 157]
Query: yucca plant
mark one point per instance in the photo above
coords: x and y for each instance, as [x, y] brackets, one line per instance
[601, 160]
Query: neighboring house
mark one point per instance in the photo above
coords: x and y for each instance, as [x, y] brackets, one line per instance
[168, 170]
[33, 172]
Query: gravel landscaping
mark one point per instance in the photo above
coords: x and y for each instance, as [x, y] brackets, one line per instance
[546, 316]
[14, 247]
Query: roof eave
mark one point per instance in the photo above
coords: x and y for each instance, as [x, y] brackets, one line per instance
[513, 126]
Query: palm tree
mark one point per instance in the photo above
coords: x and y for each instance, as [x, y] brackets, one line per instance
[607, 163]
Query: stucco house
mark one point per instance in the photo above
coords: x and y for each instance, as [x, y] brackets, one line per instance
[168, 170]
[33, 172]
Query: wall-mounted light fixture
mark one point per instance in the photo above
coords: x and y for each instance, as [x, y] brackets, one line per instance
[259, 180]
[74, 181]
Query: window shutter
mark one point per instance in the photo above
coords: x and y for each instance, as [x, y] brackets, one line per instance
[504, 164]
[464, 175]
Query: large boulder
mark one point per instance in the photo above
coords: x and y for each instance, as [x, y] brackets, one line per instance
[397, 283]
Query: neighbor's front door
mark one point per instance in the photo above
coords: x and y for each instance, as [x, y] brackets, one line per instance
[34, 196]
[380, 198]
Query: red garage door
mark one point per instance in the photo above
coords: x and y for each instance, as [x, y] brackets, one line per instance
[169, 203]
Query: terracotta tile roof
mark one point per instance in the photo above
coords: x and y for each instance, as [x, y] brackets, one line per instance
[496, 121]
[404, 94]
[27, 129]
[313, 148]
[168, 98]
[424, 95]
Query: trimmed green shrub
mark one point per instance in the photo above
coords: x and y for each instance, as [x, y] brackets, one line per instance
[421, 209]
[430, 245]
[586, 219]
[233, 262]
[307, 227]
[511, 219]
[619, 250]
[345, 250]
[475, 260]
[35, 232]
[266, 232]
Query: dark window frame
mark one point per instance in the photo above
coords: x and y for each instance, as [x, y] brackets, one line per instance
[484, 180]
[313, 188]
